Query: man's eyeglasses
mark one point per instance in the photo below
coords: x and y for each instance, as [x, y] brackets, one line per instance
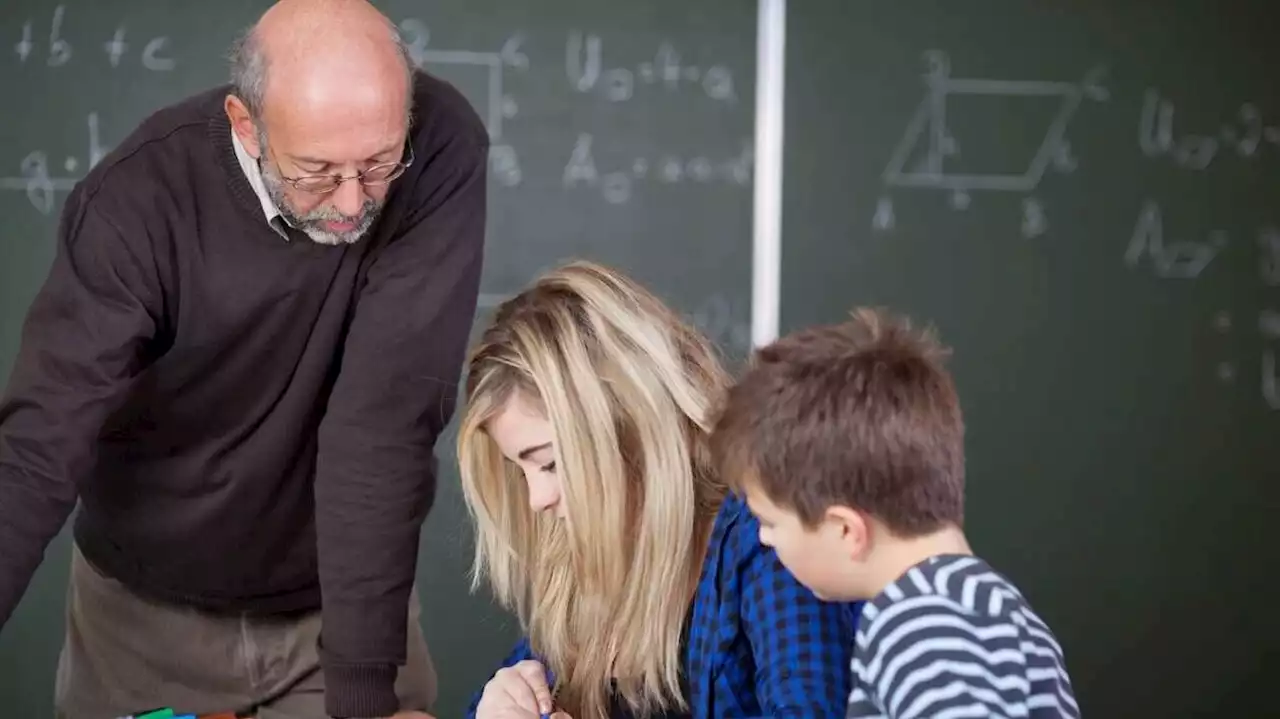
[377, 175]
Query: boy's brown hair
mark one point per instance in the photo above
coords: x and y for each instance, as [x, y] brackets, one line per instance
[860, 414]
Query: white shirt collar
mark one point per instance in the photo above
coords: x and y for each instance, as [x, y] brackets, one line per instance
[254, 175]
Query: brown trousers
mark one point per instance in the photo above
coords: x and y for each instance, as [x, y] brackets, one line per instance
[125, 653]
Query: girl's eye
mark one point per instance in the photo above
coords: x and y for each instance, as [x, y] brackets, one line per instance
[549, 467]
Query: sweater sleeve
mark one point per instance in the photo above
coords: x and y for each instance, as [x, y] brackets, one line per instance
[395, 392]
[83, 342]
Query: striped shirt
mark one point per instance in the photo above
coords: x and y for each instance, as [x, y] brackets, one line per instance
[953, 638]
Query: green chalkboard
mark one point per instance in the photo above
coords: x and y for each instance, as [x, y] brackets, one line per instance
[621, 132]
[1081, 197]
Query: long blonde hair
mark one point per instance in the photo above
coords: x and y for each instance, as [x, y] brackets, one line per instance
[628, 388]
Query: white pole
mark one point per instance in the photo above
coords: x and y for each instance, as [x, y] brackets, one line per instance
[766, 261]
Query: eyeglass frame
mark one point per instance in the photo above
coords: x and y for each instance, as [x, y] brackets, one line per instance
[401, 165]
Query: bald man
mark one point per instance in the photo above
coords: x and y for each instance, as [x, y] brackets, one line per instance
[240, 362]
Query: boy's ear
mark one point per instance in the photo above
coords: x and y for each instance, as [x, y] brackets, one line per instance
[853, 528]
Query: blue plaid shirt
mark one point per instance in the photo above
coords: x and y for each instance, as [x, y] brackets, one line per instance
[760, 643]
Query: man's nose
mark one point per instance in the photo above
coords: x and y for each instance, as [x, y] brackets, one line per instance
[349, 198]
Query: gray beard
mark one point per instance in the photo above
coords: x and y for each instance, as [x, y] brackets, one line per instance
[312, 223]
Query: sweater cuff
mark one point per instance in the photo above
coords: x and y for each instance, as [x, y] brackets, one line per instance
[363, 691]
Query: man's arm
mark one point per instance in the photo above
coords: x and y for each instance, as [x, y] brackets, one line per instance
[396, 391]
[82, 343]
[801, 644]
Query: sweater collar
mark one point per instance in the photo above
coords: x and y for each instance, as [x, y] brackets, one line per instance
[253, 173]
[238, 175]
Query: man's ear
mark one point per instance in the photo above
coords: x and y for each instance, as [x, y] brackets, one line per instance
[853, 529]
[242, 125]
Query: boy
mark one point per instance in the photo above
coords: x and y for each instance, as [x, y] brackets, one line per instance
[848, 442]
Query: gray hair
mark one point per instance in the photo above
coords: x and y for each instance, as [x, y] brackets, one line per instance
[249, 70]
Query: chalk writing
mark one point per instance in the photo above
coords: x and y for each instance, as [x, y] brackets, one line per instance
[1269, 324]
[616, 186]
[1034, 220]
[484, 76]
[116, 47]
[1184, 259]
[1269, 329]
[1269, 262]
[1244, 136]
[151, 58]
[1156, 136]
[24, 46]
[929, 127]
[1270, 388]
[493, 103]
[1222, 322]
[59, 50]
[585, 69]
[884, 218]
[36, 179]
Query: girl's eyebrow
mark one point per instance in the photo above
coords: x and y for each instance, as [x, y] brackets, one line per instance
[524, 453]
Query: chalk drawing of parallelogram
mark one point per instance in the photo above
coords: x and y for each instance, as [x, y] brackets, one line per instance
[929, 125]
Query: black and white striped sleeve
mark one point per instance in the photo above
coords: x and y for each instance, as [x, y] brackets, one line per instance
[981, 653]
